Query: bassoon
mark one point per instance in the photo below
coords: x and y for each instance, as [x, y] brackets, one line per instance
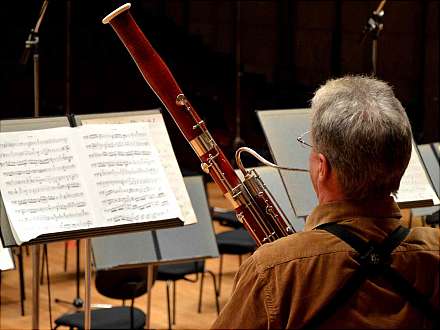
[254, 205]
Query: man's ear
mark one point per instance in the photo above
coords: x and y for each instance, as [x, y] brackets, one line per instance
[324, 167]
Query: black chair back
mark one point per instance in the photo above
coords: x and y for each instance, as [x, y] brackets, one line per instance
[124, 283]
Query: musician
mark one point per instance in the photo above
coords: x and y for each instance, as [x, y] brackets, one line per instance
[360, 146]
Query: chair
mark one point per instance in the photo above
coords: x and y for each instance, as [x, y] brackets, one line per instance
[225, 217]
[124, 284]
[171, 273]
[236, 241]
[433, 219]
[185, 249]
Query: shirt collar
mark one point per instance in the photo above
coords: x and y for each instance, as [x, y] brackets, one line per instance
[337, 211]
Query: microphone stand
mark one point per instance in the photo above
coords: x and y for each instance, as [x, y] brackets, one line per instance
[373, 27]
[77, 301]
[32, 47]
[238, 141]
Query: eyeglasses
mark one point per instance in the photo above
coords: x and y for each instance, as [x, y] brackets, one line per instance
[304, 139]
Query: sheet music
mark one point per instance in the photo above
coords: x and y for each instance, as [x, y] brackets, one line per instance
[6, 259]
[163, 145]
[415, 184]
[65, 179]
[131, 185]
[41, 184]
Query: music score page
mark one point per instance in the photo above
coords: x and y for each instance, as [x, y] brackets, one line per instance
[163, 145]
[64, 179]
[415, 185]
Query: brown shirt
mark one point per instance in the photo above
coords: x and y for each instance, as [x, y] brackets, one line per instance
[283, 284]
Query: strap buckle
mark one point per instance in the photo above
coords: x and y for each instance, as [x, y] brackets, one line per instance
[374, 258]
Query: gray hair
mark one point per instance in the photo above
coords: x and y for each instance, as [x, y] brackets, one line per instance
[364, 132]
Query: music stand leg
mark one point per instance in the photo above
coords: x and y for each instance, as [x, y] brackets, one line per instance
[21, 277]
[87, 278]
[149, 288]
[35, 286]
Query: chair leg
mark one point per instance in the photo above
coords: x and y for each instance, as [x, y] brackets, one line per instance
[220, 272]
[174, 302]
[217, 304]
[132, 314]
[200, 292]
[168, 304]
[66, 251]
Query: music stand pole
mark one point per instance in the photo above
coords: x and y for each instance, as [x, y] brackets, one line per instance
[35, 286]
[150, 275]
[87, 280]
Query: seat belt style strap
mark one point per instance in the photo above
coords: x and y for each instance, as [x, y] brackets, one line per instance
[374, 259]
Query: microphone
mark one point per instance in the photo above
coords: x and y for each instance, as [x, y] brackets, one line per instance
[375, 21]
[32, 41]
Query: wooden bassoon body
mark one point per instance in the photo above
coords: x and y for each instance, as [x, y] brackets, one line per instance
[254, 205]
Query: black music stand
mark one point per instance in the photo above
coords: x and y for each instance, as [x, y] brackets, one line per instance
[282, 127]
[432, 166]
[165, 246]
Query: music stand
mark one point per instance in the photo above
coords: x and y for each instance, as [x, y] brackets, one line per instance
[9, 240]
[171, 245]
[432, 166]
[282, 127]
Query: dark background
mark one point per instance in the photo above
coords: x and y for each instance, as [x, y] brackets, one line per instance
[288, 48]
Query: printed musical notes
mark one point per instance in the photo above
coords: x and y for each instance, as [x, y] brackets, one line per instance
[40, 183]
[61, 179]
[163, 145]
[130, 181]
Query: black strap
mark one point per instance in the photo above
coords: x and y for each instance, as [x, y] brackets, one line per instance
[342, 295]
[373, 259]
[417, 299]
[365, 249]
